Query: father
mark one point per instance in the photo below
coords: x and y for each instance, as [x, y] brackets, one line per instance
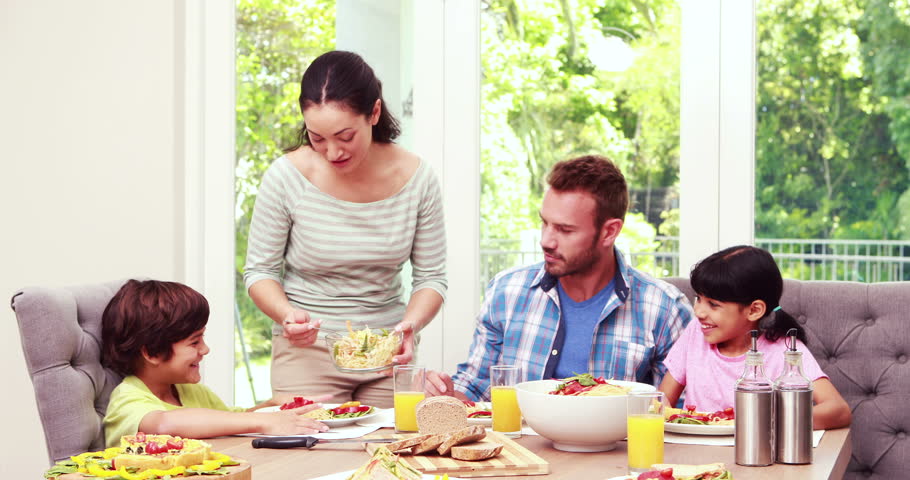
[584, 309]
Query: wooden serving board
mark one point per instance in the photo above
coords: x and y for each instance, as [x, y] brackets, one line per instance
[514, 460]
[235, 472]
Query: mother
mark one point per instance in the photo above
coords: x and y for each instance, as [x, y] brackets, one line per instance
[335, 220]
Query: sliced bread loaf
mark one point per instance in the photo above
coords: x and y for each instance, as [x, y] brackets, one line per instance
[470, 434]
[442, 414]
[432, 442]
[407, 443]
[476, 451]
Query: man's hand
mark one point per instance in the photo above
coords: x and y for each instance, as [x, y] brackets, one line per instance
[439, 383]
[299, 329]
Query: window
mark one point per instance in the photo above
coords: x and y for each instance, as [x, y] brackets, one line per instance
[563, 79]
[833, 139]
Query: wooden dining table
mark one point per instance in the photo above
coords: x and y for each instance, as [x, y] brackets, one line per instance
[830, 459]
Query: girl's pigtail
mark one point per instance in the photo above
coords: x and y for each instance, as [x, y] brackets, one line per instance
[777, 323]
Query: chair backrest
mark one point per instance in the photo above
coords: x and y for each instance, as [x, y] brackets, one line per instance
[60, 330]
[860, 335]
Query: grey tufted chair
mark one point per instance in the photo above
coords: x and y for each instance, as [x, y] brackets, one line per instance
[860, 335]
[60, 329]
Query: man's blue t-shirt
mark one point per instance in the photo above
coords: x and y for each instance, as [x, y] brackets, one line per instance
[579, 319]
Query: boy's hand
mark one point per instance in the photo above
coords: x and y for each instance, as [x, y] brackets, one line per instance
[299, 329]
[292, 422]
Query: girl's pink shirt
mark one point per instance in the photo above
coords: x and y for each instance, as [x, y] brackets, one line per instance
[709, 376]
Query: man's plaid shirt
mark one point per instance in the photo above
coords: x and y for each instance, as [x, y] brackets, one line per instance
[519, 324]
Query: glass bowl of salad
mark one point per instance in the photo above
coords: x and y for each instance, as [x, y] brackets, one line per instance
[363, 350]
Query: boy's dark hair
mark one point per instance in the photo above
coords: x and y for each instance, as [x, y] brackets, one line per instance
[598, 176]
[345, 78]
[150, 314]
[743, 274]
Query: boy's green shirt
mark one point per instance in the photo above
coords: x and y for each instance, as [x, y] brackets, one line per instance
[132, 400]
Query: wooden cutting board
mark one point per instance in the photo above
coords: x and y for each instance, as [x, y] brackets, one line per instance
[514, 460]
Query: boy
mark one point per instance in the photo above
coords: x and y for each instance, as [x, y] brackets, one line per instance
[152, 332]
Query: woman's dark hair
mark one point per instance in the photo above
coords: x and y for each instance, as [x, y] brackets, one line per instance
[344, 78]
[150, 314]
[743, 274]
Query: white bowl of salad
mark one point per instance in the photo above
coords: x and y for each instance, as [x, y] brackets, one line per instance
[580, 413]
[363, 350]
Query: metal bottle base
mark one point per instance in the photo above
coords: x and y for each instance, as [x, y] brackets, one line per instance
[793, 426]
[754, 432]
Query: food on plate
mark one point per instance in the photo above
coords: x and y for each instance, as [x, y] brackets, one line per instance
[586, 385]
[385, 465]
[442, 414]
[477, 411]
[160, 451]
[669, 471]
[465, 435]
[145, 457]
[296, 403]
[690, 416]
[363, 349]
[345, 410]
[476, 451]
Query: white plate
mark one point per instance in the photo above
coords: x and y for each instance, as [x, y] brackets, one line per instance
[345, 475]
[338, 422]
[623, 477]
[486, 422]
[699, 429]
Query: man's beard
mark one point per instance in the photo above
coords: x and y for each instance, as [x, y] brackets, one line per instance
[581, 263]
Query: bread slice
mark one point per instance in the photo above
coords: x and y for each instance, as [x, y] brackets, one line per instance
[442, 414]
[431, 443]
[465, 435]
[407, 443]
[476, 451]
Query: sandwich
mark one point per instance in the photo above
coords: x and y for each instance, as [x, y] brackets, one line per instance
[671, 471]
[385, 465]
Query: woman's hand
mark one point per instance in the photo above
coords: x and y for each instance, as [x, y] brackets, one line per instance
[292, 422]
[406, 352]
[299, 329]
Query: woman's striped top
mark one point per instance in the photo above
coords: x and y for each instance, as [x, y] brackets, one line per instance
[342, 260]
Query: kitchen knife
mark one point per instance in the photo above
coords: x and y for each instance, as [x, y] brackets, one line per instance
[308, 442]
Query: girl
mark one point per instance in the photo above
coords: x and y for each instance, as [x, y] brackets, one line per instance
[738, 290]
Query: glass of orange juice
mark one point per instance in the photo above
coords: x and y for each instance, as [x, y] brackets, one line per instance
[506, 415]
[646, 430]
[409, 383]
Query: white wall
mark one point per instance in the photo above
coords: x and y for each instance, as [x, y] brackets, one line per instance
[90, 184]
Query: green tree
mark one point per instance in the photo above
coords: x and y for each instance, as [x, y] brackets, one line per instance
[827, 165]
[276, 40]
[884, 29]
[539, 82]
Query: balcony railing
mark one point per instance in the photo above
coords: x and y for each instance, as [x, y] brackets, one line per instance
[853, 260]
